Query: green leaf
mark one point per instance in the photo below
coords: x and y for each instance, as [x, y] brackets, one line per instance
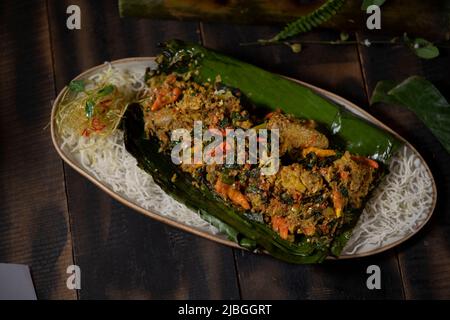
[424, 49]
[344, 36]
[76, 85]
[424, 99]
[89, 108]
[368, 3]
[106, 90]
[309, 21]
[380, 93]
[248, 244]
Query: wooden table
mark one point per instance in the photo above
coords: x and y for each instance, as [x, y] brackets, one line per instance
[51, 217]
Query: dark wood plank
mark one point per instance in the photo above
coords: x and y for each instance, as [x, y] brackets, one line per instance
[425, 259]
[338, 70]
[34, 227]
[123, 254]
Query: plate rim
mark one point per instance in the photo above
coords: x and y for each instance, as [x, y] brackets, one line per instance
[217, 238]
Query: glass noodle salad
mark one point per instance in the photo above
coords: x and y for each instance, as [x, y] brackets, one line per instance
[94, 106]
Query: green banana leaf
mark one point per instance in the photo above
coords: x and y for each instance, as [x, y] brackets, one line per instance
[264, 90]
[242, 230]
[272, 91]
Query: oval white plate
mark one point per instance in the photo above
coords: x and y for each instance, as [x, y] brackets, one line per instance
[163, 208]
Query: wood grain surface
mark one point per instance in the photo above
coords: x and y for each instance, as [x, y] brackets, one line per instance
[51, 217]
[34, 226]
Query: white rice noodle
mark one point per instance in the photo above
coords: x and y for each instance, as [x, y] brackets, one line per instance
[398, 206]
[107, 160]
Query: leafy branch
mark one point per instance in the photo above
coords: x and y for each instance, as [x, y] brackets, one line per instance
[421, 47]
[368, 3]
[307, 22]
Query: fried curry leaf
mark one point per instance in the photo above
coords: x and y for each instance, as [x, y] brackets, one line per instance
[423, 98]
